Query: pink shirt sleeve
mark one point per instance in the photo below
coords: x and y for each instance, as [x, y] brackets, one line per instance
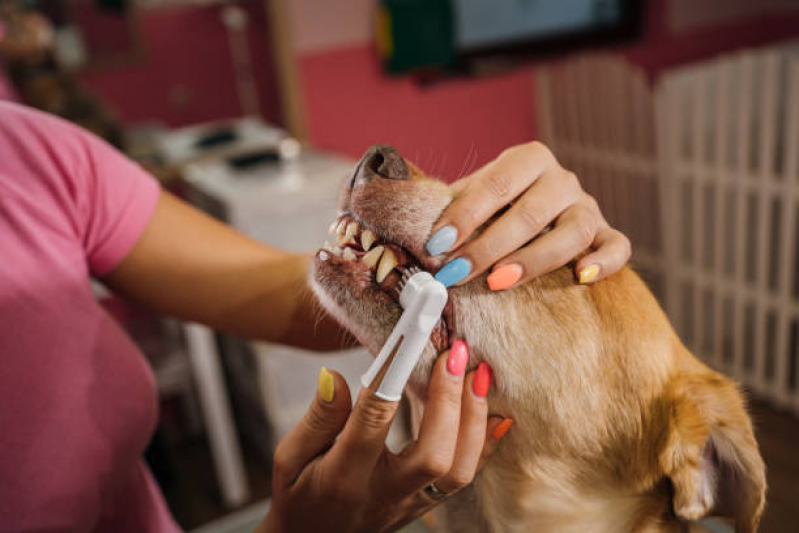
[77, 180]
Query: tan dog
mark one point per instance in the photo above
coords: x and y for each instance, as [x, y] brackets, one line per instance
[618, 427]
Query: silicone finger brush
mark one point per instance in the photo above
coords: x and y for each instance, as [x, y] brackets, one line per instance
[423, 300]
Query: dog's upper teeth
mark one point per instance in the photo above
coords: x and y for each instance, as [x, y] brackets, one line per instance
[387, 264]
[332, 229]
[372, 257]
[341, 226]
[367, 239]
[335, 250]
[347, 239]
[352, 229]
[348, 254]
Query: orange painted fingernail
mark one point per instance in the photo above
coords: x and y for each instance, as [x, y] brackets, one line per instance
[482, 380]
[589, 273]
[504, 277]
[502, 428]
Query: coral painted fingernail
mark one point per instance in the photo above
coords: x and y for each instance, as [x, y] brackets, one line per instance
[326, 385]
[454, 271]
[589, 273]
[458, 358]
[501, 429]
[482, 380]
[442, 240]
[504, 277]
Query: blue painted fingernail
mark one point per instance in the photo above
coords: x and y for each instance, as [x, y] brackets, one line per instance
[454, 271]
[442, 240]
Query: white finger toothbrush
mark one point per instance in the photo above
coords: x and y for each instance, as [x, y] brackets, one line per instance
[423, 300]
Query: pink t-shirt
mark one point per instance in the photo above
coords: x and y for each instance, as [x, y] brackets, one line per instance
[77, 398]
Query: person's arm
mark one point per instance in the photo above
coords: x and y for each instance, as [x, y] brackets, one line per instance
[188, 265]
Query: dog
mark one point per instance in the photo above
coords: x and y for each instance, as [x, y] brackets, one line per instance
[618, 427]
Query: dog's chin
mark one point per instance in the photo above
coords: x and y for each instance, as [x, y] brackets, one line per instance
[348, 293]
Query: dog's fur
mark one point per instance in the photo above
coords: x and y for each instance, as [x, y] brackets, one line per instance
[618, 427]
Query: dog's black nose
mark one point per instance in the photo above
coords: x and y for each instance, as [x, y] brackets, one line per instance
[380, 161]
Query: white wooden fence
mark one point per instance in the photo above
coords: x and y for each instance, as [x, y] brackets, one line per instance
[704, 179]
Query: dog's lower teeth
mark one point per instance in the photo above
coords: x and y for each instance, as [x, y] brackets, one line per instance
[323, 256]
[387, 264]
[348, 254]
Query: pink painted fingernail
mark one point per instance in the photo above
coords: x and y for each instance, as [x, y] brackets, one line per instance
[458, 358]
[482, 380]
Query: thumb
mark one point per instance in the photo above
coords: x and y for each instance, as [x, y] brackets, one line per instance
[317, 430]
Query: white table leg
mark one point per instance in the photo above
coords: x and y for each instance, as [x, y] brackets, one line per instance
[201, 347]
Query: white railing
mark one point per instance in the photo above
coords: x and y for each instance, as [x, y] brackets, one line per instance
[704, 178]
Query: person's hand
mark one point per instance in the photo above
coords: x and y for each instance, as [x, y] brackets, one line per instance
[333, 472]
[540, 193]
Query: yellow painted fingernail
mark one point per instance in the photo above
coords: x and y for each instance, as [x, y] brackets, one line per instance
[327, 385]
[589, 273]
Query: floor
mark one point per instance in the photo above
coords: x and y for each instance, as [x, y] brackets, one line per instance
[190, 485]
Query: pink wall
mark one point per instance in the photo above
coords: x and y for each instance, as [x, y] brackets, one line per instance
[446, 128]
[187, 75]
[350, 104]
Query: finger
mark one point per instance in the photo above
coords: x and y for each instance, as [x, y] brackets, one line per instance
[542, 203]
[432, 454]
[316, 431]
[471, 440]
[612, 251]
[573, 233]
[496, 428]
[353, 457]
[490, 189]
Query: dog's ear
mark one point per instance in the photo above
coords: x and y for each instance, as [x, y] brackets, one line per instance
[710, 453]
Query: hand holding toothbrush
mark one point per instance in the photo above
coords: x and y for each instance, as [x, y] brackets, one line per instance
[333, 472]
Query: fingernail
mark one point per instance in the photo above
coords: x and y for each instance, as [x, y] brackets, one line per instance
[326, 385]
[442, 240]
[454, 271]
[589, 273]
[482, 380]
[502, 428]
[504, 277]
[458, 358]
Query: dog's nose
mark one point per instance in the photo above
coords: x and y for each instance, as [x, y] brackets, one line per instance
[380, 161]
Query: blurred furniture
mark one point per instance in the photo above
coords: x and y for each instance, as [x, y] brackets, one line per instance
[702, 174]
[288, 205]
[239, 141]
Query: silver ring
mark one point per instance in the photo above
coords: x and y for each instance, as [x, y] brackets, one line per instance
[433, 493]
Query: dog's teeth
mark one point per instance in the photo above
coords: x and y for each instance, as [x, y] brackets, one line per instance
[373, 256]
[352, 229]
[336, 251]
[387, 264]
[347, 239]
[367, 239]
[327, 245]
[341, 227]
[348, 254]
[332, 229]
[323, 255]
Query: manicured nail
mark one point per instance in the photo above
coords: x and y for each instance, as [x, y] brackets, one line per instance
[589, 273]
[504, 277]
[501, 429]
[482, 380]
[454, 271]
[327, 385]
[442, 240]
[458, 358]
